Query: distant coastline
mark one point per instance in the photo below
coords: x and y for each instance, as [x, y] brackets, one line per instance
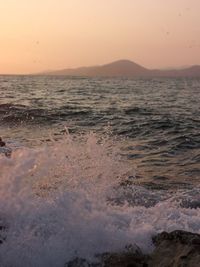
[125, 68]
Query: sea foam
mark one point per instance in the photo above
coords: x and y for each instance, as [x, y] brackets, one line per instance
[55, 204]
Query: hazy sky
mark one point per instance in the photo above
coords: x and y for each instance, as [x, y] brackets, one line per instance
[38, 35]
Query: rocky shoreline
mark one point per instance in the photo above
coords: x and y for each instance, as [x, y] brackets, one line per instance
[175, 249]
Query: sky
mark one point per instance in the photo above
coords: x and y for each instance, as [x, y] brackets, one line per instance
[39, 35]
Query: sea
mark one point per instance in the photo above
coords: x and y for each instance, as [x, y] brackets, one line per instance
[93, 165]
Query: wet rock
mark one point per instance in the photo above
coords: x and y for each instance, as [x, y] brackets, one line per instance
[125, 259]
[132, 256]
[176, 249]
[177, 236]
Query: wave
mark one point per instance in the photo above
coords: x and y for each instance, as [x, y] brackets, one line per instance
[20, 114]
[67, 200]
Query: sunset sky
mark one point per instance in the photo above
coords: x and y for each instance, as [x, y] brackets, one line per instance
[37, 35]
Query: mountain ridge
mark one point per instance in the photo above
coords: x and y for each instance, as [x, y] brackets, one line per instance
[125, 68]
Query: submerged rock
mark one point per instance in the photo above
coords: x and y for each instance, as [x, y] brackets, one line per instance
[175, 249]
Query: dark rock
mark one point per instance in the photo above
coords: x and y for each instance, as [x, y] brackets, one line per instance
[125, 259]
[175, 249]
[132, 256]
[177, 236]
[122, 259]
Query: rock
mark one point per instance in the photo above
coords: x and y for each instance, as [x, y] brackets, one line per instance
[132, 256]
[176, 249]
[125, 259]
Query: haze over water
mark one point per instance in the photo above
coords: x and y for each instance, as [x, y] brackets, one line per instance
[46, 35]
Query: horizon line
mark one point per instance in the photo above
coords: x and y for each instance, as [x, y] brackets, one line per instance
[40, 72]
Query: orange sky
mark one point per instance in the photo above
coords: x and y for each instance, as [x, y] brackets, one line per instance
[37, 35]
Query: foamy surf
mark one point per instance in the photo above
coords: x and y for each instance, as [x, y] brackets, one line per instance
[60, 201]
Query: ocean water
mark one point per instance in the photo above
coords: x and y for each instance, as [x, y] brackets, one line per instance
[96, 164]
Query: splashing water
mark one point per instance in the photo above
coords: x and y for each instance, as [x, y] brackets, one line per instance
[54, 204]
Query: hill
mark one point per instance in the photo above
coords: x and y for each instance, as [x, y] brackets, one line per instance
[125, 68]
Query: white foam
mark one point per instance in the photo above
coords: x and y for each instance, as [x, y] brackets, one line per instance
[54, 201]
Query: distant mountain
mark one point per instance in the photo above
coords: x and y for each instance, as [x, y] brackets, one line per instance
[125, 68]
[193, 71]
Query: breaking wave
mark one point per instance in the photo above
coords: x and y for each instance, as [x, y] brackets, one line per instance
[68, 200]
